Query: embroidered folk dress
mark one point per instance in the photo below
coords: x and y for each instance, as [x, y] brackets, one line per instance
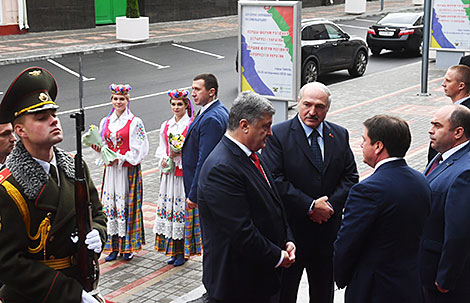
[177, 229]
[122, 190]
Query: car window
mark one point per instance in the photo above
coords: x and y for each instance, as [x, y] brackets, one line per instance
[398, 18]
[314, 32]
[333, 32]
[419, 21]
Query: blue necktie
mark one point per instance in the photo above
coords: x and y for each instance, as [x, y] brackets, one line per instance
[318, 160]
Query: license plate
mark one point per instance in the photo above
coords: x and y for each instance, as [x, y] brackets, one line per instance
[386, 34]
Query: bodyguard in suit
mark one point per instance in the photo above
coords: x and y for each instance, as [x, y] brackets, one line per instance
[246, 239]
[376, 252]
[204, 133]
[38, 223]
[445, 250]
[456, 86]
[313, 169]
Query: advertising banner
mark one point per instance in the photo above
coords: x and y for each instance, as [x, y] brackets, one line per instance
[269, 48]
[450, 25]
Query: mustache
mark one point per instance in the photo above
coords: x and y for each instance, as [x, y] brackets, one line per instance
[315, 117]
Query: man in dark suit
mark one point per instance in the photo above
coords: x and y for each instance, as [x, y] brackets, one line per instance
[445, 249]
[246, 239]
[204, 133]
[376, 252]
[456, 86]
[313, 169]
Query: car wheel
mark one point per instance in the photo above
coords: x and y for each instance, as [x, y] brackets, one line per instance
[375, 51]
[310, 72]
[419, 50]
[360, 64]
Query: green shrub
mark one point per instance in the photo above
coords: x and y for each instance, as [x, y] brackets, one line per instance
[132, 9]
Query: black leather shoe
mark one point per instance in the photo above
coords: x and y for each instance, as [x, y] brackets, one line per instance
[202, 299]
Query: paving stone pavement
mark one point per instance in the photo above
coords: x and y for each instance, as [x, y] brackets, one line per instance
[147, 278]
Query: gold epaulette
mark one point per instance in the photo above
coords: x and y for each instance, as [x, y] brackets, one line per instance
[44, 227]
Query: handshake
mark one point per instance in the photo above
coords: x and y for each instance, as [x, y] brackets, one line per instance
[322, 210]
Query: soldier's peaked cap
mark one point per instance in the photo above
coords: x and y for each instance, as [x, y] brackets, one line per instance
[35, 89]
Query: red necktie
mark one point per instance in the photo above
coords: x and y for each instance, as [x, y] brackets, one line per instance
[255, 159]
[434, 164]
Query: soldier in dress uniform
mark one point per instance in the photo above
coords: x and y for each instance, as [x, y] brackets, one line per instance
[38, 228]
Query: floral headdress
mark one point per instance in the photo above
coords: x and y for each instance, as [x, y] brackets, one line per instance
[120, 89]
[182, 95]
[178, 94]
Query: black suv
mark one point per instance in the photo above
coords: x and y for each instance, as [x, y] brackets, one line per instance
[327, 48]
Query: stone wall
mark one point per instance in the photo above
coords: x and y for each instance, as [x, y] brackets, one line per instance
[174, 10]
[45, 15]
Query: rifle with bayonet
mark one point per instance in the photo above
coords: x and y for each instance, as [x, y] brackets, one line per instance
[87, 260]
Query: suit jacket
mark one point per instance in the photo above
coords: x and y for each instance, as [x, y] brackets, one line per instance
[203, 134]
[244, 226]
[290, 159]
[26, 279]
[445, 252]
[376, 253]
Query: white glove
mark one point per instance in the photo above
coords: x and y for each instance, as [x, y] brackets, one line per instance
[93, 241]
[86, 297]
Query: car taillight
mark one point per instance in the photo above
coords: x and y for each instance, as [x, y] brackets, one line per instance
[371, 31]
[406, 32]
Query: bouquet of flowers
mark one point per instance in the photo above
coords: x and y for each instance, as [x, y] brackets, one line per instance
[93, 136]
[175, 142]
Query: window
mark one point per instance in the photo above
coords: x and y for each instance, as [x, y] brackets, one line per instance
[333, 32]
[314, 32]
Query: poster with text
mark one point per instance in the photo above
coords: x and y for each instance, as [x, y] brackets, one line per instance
[268, 50]
[450, 25]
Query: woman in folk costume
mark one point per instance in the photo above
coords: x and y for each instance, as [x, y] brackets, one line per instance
[177, 228]
[122, 192]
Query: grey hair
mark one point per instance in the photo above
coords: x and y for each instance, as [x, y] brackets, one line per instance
[250, 106]
[317, 85]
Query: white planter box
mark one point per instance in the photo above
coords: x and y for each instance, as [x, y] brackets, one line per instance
[355, 7]
[132, 29]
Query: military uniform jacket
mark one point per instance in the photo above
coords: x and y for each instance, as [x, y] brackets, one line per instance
[26, 278]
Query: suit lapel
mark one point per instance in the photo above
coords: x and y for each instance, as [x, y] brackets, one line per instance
[329, 142]
[272, 188]
[255, 174]
[446, 164]
[302, 141]
[198, 118]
